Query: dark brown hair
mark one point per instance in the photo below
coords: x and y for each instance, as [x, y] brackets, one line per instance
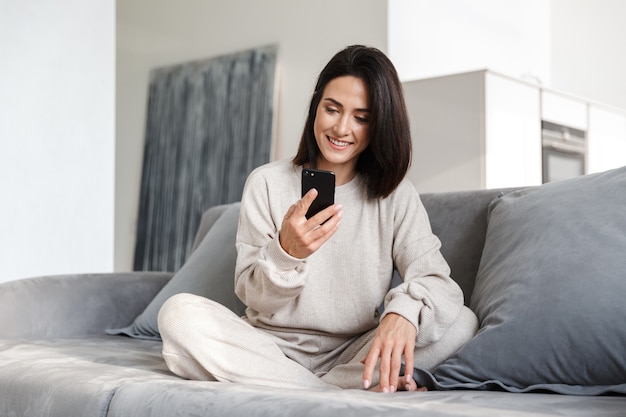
[385, 161]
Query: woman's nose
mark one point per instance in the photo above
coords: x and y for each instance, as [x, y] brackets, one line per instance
[342, 127]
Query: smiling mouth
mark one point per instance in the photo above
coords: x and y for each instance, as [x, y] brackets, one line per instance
[336, 142]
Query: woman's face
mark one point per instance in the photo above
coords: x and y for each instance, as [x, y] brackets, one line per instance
[341, 125]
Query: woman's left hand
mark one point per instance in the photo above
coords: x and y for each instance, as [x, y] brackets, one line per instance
[394, 338]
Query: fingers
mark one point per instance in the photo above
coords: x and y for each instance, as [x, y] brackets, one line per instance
[408, 366]
[300, 237]
[300, 209]
[389, 359]
[370, 364]
[395, 364]
[394, 339]
[384, 370]
[322, 230]
[302, 206]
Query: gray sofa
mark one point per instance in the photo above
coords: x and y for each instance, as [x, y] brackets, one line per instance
[59, 358]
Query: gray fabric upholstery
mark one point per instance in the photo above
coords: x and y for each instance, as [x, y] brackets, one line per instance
[550, 292]
[195, 398]
[72, 377]
[56, 360]
[75, 305]
[209, 272]
[206, 222]
[459, 219]
[117, 376]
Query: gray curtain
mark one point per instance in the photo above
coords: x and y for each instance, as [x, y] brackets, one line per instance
[209, 124]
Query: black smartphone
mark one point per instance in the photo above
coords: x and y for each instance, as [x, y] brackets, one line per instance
[324, 183]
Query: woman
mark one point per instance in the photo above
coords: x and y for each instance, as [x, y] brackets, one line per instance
[313, 287]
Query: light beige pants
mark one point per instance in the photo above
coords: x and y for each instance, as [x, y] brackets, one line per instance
[203, 340]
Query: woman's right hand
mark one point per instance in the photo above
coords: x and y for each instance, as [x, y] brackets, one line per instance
[299, 236]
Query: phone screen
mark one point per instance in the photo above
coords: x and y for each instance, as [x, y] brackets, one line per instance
[324, 183]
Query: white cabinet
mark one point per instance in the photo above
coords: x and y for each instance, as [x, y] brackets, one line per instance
[512, 133]
[481, 129]
[474, 130]
[606, 139]
[564, 110]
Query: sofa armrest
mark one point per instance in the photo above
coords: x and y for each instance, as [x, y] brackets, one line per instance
[75, 305]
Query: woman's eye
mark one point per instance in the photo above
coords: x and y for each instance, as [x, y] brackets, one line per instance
[361, 119]
[332, 110]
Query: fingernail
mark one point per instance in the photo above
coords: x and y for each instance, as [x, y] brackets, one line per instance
[407, 387]
[385, 390]
[392, 389]
[366, 384]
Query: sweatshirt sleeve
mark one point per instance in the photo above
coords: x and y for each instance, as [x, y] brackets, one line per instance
[428, 297]
[266, 277]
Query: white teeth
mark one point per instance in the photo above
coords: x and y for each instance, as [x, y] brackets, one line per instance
[338, 143]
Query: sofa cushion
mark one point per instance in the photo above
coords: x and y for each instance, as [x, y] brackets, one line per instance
[167, 398]
[459, 220]
[73, 377]
[209, 272]
[550, 292]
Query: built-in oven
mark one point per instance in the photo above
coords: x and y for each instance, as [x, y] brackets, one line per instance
[564, 151]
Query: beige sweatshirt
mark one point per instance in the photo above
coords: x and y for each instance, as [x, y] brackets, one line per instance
[338, 289]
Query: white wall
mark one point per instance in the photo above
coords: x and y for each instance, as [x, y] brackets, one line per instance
[575, 46]
[56, 136]
[156, 33]
[431, 38]
[59, 111]
[588, 44]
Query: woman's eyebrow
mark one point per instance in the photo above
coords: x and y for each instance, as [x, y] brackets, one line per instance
[335, 102]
